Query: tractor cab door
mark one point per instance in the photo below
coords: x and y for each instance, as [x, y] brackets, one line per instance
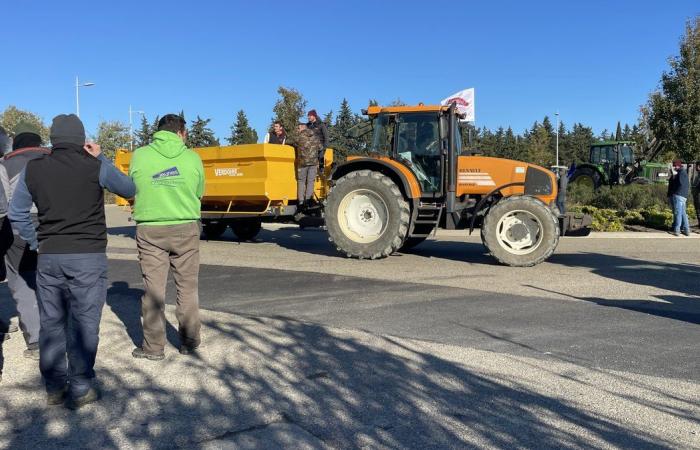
[418, 145]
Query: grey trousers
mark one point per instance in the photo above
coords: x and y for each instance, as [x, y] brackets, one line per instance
[164, 247]
[72, 289]
[305, 182]
[20, 264]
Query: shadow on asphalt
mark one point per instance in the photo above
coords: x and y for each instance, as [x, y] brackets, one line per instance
[679, 278]
[342, 391]
[125, 302]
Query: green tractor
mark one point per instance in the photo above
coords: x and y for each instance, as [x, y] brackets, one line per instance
[614, 162]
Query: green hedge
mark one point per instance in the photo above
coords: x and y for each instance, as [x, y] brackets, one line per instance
[614, 207]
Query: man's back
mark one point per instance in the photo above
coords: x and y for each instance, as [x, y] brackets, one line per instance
[169, 180]
[65, 186]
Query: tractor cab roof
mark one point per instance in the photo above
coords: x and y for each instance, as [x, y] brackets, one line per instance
[609, 143]
[375, 110]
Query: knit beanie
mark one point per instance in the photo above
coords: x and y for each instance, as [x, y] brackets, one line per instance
[313, 113]
[67, 129]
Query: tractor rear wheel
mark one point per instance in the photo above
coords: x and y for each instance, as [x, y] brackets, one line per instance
[246, 229]
[587, 177]
[366, 215]
[520, 231]
[214, 230]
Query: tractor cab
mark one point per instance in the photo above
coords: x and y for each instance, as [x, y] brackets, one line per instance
[413, 138]
[614, 158]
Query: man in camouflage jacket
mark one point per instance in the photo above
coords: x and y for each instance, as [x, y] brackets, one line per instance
[308, 147]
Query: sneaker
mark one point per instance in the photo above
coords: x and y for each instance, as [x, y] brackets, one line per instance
[91, 396]
[674, 233]
[32, 352]
[686, 233]
[139, 353]
[56, 398]
[187, 350]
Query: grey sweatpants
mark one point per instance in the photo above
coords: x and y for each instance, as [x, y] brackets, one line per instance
[20, 263]
[305, 182]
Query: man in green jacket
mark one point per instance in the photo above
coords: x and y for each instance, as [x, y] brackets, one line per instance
[169, 180]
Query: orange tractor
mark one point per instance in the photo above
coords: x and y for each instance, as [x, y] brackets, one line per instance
[416, 179]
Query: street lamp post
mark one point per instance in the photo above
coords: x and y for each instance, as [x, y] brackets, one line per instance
[77, 94]
[557, 146]
[131, 127]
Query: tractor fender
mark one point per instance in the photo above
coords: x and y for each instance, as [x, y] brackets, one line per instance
[480, 205]
[399, 174]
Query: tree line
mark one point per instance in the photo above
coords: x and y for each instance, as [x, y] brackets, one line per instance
[671, 113]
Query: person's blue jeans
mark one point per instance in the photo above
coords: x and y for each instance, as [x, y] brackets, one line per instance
[680, 215]
[71, 291]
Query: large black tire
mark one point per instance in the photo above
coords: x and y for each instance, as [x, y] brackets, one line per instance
[586, 176]
[246, 229]
[366, 215]
[214, 230]
[411, 242]
[520, 231]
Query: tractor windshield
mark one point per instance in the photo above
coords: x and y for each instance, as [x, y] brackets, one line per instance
[627, 155]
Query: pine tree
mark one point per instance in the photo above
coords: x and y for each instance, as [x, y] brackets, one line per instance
[328, 119]
[144, 134]
[626, 133]
[341, 142]
[618, 132]
[241, 132]
[538, 150]
[200, 135]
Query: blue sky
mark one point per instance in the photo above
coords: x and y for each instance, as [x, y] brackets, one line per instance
[595, 61]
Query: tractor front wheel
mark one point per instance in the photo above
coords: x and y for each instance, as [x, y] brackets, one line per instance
[520, 231]
[366, 215]
[587, 177]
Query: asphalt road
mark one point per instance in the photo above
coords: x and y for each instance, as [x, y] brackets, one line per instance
[637, 330]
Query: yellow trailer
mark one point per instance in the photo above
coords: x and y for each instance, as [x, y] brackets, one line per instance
[246, 185]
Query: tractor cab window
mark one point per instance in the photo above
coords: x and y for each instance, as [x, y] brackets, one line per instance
[603, 155]
[418, 145]
[627, 155]
[383, 136]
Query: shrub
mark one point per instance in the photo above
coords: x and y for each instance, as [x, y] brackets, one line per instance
[634, 196]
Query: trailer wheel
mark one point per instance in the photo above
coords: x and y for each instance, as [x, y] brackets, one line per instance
[366, 215]
[214, 230]
[520, 231]
[246, 229]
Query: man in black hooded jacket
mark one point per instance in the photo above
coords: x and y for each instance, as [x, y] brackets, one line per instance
[67, 188]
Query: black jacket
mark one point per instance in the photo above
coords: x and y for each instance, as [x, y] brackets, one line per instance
[678, 185]
[67, 187]
[321, 130]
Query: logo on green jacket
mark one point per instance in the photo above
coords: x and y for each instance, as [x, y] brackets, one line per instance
[167, 177]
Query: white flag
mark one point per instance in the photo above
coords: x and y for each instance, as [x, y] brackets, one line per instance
[465, 103]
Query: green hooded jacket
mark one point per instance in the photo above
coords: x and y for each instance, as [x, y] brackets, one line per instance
[169, 180]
